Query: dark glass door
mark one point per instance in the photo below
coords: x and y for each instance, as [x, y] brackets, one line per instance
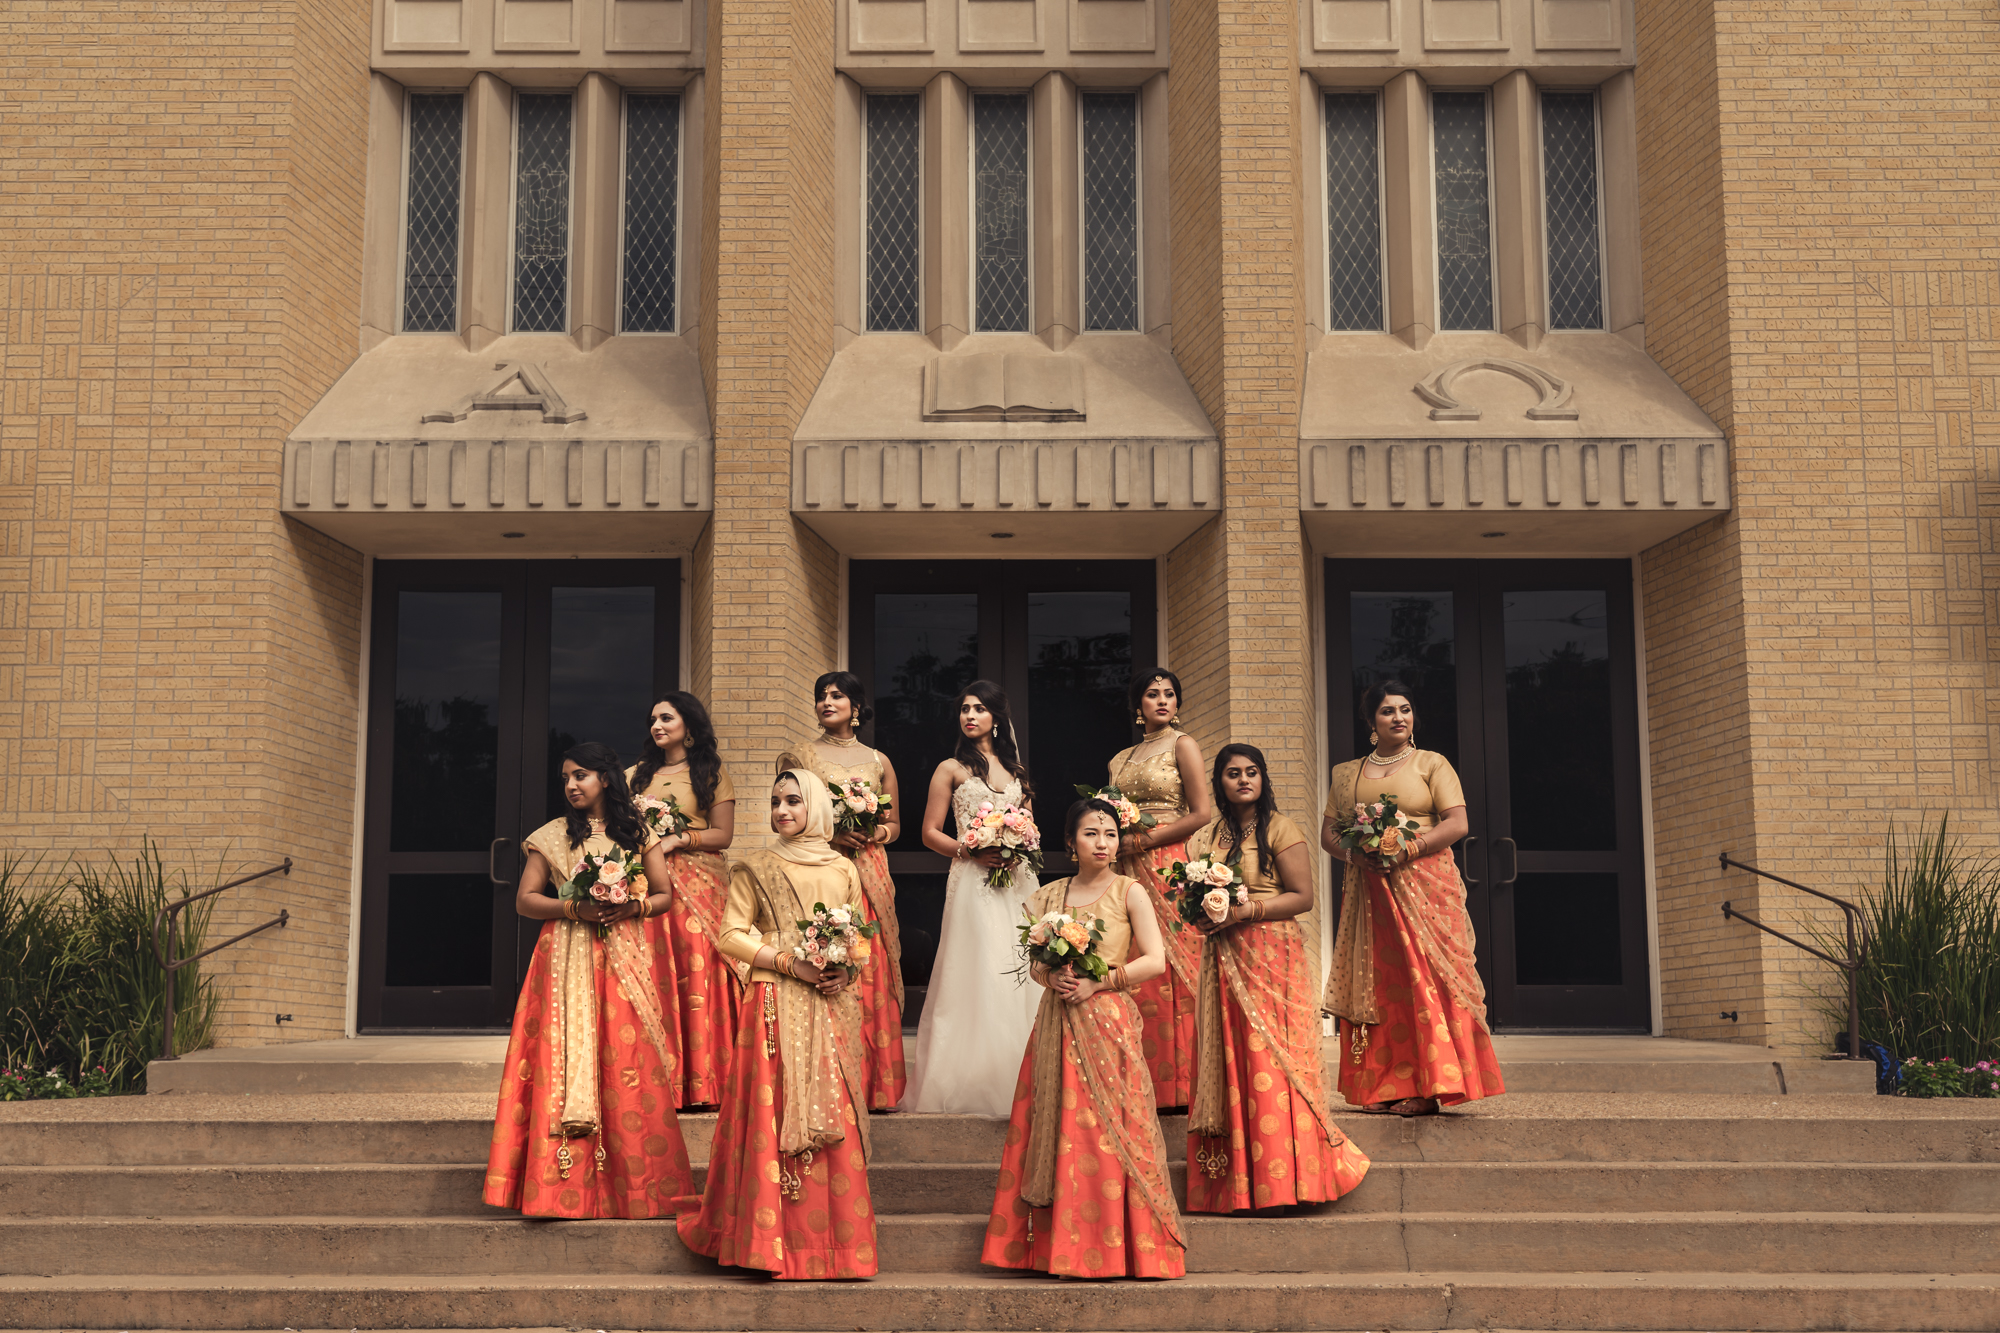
[1526, 680]
[1062, 637]
[481, 673]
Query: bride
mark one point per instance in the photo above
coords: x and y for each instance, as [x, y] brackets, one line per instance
[977, 1014]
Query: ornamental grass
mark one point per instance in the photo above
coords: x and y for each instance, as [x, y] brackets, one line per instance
[1930, 987]
[81, 991]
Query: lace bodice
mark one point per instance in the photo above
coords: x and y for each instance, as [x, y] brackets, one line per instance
[974, 790]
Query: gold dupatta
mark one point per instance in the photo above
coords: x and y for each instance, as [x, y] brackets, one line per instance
[818, 1039]
[574, 1110]
[1126, 1112]
[1432, 899]
[872, 863]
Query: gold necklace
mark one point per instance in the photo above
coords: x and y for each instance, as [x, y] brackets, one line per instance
[850, 743]
[1375, 757]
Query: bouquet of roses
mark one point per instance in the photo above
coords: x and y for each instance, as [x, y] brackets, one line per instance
[1057, 939]
[613, 879]
[1009, 829]
[1207, 889]
[665, 818]
[1377, 831]
[837, 937]
[858, 807]
[1130, 816]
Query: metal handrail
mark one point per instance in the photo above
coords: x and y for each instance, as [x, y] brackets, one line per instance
[172, 964]
[1857, 952]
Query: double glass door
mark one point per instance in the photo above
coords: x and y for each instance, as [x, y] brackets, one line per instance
[1524, 677]
[1062, 637]
[481, 673]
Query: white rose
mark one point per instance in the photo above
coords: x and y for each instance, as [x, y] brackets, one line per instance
[1216, 903]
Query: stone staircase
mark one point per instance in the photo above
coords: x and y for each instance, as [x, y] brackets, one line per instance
[1537, 1211]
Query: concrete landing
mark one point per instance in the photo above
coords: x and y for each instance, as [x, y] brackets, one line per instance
[1530, 1064]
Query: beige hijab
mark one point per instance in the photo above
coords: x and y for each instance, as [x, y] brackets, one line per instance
[810, 846]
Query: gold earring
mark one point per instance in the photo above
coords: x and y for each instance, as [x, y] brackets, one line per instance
[1139, 718]
[1372, 740]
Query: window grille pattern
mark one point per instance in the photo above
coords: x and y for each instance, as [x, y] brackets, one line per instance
[1569, 176]
[430, 237]
[652, 212]
[1110, 124]
[1000, 212]
[895, 213]
[541, 213]
[1353, 213]
[1465, 224]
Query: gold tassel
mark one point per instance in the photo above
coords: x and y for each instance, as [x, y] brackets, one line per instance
[1359, 1043]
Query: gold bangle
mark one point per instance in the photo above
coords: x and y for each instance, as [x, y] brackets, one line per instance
[569, 909]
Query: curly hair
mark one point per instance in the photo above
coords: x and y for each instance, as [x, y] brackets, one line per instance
[704, 759]
[621, 818]
[1266, 806]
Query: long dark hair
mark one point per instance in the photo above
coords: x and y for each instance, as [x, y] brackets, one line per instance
[1078, 809]
[1267, 802]
[621, 818]
[1142, 682]
[1379, 691]
[704, 759]
[1004, 750]
[850, 685]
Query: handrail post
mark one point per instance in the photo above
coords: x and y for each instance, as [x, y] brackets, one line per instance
[170, 962]
[1857, 951]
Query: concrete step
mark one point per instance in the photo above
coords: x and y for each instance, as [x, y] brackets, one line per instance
[405, 1191]
[1561, 1129]
[1309, 1303]
[950, 1243]
[1529, 1063]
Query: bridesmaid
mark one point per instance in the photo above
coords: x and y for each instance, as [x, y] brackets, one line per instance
[1163, 776]
[586, 1126]
[1083, 1189]
[841, 702]
[681, 760]
[788, 1168]
[1259, 1135]
[1404, 980]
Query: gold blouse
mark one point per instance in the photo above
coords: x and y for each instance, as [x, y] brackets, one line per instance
[868, 766]
[1424, 787]
[1283, 834]
[1110, 907]
[745, 924]
[1154, 783]
[552, 841]
[680, 786]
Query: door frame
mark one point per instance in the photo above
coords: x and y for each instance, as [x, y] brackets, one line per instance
[1003, 639]
[520, 783]
[1480, 658]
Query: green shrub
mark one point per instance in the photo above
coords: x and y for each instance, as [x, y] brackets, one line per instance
[82, 994]
[1930, 987]
[1933, 1078]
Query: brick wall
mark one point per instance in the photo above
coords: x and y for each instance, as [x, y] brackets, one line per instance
[771, 585]
[180, 228]
[1823, 658]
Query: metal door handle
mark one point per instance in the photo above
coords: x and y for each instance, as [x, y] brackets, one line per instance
[493, 847]
[1513, 863]
[1471, 880]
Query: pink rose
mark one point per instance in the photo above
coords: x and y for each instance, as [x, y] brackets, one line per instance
[1216, 903]
[1038, 934]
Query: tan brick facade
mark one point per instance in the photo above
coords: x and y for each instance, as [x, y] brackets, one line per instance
[181, 247]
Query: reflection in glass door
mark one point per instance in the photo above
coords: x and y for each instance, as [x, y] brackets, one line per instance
[1061, 637]
[482, 673]
[1525, 680]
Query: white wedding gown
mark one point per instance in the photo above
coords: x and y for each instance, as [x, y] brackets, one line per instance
[977, 1014]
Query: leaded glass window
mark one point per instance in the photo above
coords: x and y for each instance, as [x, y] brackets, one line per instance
[895, 213]
[430, 235]
[652, 212]
[1110, 127]
[1465, 223]
[1353, 213]
[1000, 212]
[1569, 182]
[541, 212]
